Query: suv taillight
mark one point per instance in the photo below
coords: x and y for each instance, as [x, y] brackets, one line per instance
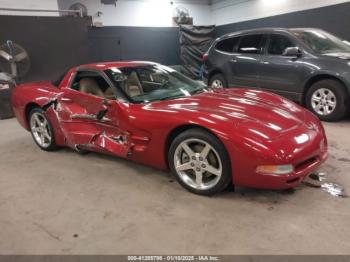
[205, 57]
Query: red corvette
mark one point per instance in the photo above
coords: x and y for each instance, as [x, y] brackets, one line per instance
[153, 115]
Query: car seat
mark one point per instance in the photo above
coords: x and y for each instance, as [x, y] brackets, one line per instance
[90, 86]
[133, 85]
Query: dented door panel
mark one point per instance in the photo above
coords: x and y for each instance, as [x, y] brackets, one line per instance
[109, 143]
[77, 114]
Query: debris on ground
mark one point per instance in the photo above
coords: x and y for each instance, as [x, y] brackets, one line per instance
[334, 189]
[315, 179]
[318, 180]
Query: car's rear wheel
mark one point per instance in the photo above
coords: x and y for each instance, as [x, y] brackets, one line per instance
[200, 162]
[217, 81]
[41, 130]
[327, 99]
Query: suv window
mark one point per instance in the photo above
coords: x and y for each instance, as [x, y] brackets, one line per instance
[227, 45]
[278, 44]
[322, 42]
[250, 44]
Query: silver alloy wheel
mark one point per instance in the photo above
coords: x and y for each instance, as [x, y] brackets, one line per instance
[40, 129]
[323, 101]
[217, 84]
[198, 164]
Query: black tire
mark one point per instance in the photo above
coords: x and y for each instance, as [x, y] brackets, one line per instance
[341, 96]
[51, 145]
[220, 78]
[226, 175]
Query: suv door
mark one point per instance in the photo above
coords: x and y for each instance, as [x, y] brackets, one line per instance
[278, 73]
[245, 61]
[221, 57]
[89, 120]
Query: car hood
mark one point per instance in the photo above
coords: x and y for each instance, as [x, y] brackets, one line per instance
[261, 114]
[340, 55]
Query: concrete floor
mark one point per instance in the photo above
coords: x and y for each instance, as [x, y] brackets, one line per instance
[66, 203]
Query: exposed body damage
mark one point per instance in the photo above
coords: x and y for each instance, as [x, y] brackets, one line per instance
[256, 128]
[98, 134]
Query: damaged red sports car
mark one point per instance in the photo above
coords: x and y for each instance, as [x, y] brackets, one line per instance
[153, 115]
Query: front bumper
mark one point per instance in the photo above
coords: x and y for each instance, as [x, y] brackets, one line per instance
[293, 179]
[306, 157]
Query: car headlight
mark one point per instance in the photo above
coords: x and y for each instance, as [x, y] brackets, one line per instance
[275, 169]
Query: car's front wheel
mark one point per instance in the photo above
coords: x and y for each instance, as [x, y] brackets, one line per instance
[217, 81]
[41, 130]
[200, 162]
[327, 99]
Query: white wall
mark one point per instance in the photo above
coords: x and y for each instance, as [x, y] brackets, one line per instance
[151, 13]
[232, 11]
[29, 4]
[158, 13]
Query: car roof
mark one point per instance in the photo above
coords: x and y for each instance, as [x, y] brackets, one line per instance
[116, 64]
[266, 30]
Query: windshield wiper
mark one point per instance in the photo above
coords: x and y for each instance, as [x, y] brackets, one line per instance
[180, 96]
[170, 97]
[198, 91]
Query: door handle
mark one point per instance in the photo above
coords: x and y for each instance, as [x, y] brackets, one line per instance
[265, 62]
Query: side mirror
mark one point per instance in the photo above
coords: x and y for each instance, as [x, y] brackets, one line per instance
[292, 52]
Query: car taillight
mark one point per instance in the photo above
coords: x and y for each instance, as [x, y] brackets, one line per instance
[205, 57]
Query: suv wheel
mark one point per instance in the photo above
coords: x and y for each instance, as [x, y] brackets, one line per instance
[327, 99]
[217, 81]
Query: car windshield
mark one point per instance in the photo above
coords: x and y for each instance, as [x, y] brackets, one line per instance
[149, 83]
[322, 42]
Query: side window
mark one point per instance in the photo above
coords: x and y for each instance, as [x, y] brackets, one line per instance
[278, 44]
[92, 83]
[250, 44]
[227, 45]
